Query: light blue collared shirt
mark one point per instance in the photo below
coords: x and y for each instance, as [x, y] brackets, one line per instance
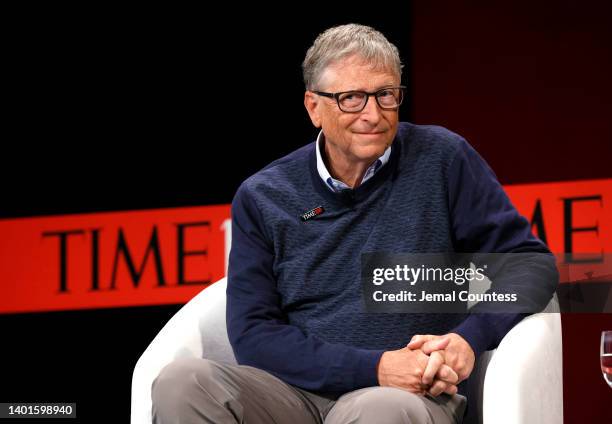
[337, 185]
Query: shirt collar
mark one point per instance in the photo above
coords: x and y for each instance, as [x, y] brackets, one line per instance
[337, 185]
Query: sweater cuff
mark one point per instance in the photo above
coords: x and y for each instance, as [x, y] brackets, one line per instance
[475, 330]
[367, 368]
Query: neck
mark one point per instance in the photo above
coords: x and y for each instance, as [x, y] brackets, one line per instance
[350, 172]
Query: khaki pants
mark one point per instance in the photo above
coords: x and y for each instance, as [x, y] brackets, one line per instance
[194, 390]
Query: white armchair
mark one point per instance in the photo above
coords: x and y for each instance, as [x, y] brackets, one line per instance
[518, 383]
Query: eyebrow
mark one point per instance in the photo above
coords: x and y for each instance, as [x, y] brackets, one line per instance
[375, 90]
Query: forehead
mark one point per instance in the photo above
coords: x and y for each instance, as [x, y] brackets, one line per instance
[355, 73]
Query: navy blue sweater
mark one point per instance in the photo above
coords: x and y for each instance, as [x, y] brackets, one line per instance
[294, 303]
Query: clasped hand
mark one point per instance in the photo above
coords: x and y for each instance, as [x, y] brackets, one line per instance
[428, 364]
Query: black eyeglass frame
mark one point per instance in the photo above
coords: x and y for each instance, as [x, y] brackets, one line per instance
[337, 95]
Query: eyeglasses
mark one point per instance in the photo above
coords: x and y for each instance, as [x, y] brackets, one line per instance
[355, 101]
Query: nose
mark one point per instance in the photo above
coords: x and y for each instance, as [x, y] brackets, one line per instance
[371, 112]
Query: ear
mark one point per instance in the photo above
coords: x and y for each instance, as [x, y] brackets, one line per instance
[311, 102]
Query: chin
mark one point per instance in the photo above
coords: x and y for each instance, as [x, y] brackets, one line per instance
[374, 141]
[377, 139]
[370, 152]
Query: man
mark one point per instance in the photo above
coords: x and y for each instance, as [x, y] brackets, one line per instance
[308, 350]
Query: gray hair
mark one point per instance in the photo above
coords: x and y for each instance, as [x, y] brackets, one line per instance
[346, 40]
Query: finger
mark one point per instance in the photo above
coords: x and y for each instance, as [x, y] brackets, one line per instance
[417, 340]
[463, 373]
[433, 364]
[456, 362]
[451, 389]
[437, 387]
[447, 374]
[451, 358]
[436, 344]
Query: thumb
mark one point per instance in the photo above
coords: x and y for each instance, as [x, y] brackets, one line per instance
[437, 344]
[417, 340]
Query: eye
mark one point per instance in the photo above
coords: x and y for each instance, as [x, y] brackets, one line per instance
[388, 97]
[352, 100]
[352, 96]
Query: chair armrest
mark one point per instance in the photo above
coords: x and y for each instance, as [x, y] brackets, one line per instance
[524, 379]
[181, 337]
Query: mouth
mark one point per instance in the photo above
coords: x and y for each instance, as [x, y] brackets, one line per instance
[370, 133]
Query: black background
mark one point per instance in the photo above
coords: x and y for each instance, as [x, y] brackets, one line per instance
[137, 109]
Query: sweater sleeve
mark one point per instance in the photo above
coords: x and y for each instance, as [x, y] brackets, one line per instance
[485, 221]
[258, 329]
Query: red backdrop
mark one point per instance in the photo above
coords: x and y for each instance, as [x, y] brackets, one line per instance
[528, 83]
